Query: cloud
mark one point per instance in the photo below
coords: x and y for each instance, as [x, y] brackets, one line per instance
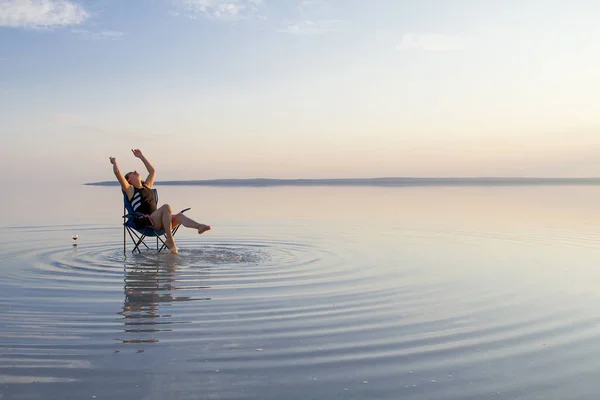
[221, 10]
[432, 42]
[313, 18]
[40, 13]
[102, 35]
[309, 27]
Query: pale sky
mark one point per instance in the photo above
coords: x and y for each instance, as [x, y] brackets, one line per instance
[299, 88]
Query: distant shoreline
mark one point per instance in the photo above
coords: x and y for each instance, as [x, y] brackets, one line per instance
[382, 182]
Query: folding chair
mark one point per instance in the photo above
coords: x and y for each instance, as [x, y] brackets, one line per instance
[138, 235]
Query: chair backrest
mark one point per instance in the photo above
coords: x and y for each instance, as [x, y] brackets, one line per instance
[127, 203]
[130, 216]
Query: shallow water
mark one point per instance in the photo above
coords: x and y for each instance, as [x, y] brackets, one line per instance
[343, 293]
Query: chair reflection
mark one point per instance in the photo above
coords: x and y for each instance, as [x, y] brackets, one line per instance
[149, 292]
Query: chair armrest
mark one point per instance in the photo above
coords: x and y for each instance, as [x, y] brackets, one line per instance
[133, 215]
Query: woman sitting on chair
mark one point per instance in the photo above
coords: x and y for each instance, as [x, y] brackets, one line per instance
[141, 197]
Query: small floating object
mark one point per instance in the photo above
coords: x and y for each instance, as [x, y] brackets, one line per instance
[75, 237]
[259, 349]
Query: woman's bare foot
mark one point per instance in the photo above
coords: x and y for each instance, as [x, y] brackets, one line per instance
[203, 229]
[171, 246]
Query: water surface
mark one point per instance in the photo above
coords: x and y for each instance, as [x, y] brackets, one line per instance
[306, 293]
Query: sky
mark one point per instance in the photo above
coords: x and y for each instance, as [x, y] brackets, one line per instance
[299, 88]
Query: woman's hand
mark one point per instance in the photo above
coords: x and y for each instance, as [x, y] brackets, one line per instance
[113, 160]
[137, 153]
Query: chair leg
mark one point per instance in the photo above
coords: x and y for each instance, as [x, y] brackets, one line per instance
[124, 235]
[137, 245]
[164, 244]
[131, 235]
[140, 240]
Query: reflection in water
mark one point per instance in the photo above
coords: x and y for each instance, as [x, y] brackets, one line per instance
[149, 289]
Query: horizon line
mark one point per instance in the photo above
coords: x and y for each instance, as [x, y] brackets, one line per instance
[381, 181]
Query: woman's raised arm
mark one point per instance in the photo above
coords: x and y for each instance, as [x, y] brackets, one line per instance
[124, 184]
[151, 171]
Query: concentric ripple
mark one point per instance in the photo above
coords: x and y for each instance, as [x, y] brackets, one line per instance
[422, 314]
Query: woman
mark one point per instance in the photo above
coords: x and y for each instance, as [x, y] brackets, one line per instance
[141, 197]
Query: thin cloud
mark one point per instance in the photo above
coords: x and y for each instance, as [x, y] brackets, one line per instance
[220, 10]
[313, 18]
[102, 35]
[309, 27]
[432, 42]
[41, 13]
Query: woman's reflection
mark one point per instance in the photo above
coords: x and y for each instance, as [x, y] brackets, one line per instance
[149, 291]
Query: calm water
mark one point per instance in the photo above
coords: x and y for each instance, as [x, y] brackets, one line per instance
[306, 293]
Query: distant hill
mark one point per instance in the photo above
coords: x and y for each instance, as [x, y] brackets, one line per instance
[398, 181]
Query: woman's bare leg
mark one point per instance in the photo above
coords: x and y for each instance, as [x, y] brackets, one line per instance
[163, 216]
[189, 223]
[166, 219]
